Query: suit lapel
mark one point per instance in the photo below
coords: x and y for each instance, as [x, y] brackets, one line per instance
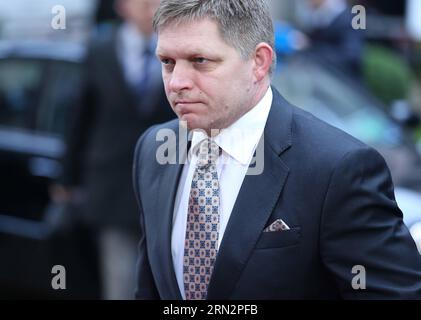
[255, 202]
[163, 221]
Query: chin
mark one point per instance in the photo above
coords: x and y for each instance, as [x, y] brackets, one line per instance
[192, 123]
[194, 126]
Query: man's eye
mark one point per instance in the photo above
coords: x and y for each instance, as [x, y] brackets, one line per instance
[200, 60]
[166, 61]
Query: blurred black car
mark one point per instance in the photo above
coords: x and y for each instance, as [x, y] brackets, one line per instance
[38, 84]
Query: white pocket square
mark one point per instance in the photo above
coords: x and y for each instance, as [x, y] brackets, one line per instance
[277, 225]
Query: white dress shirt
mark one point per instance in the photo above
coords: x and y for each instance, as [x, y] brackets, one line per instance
[238, 143]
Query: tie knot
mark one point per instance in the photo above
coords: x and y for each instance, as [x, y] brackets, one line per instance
[208, 153]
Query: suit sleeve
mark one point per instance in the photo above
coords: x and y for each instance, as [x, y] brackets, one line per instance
[362, 228]
[146, 288]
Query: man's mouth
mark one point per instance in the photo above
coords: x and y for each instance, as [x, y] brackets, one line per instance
[184, 107]
[184, 102]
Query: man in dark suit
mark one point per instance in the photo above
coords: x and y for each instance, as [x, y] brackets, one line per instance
[258, 199]
[122, 95]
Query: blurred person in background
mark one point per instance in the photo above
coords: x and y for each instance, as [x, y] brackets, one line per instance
[122, 95]
[328, 24]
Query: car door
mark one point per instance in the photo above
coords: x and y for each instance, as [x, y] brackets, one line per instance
[20, 90]
[35, 100]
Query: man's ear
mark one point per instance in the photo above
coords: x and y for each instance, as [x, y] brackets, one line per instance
[263, 56]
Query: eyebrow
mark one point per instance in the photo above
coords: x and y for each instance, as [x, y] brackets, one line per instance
[191, 53]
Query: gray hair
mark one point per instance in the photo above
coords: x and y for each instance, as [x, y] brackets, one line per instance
[243, 23]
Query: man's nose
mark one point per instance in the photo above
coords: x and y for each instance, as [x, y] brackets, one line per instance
[180, 79]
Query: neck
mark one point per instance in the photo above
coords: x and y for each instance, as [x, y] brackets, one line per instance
[259, 92]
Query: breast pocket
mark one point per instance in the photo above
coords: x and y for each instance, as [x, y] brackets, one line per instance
[279, 239]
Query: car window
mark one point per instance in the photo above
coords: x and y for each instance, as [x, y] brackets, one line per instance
[58, 98]
[20, 85]
[37, 95]
[313, 87]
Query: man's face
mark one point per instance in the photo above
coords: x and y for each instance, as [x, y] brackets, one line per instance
[208, 84]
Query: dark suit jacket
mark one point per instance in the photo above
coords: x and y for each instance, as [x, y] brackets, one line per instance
[334, 192]
[103, 135]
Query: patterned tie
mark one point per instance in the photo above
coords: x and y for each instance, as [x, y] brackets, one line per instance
[200, 247]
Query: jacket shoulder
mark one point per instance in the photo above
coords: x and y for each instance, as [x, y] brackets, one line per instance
[311, 133]
[149, 141]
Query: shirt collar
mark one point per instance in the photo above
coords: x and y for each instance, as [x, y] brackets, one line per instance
[241, 138]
